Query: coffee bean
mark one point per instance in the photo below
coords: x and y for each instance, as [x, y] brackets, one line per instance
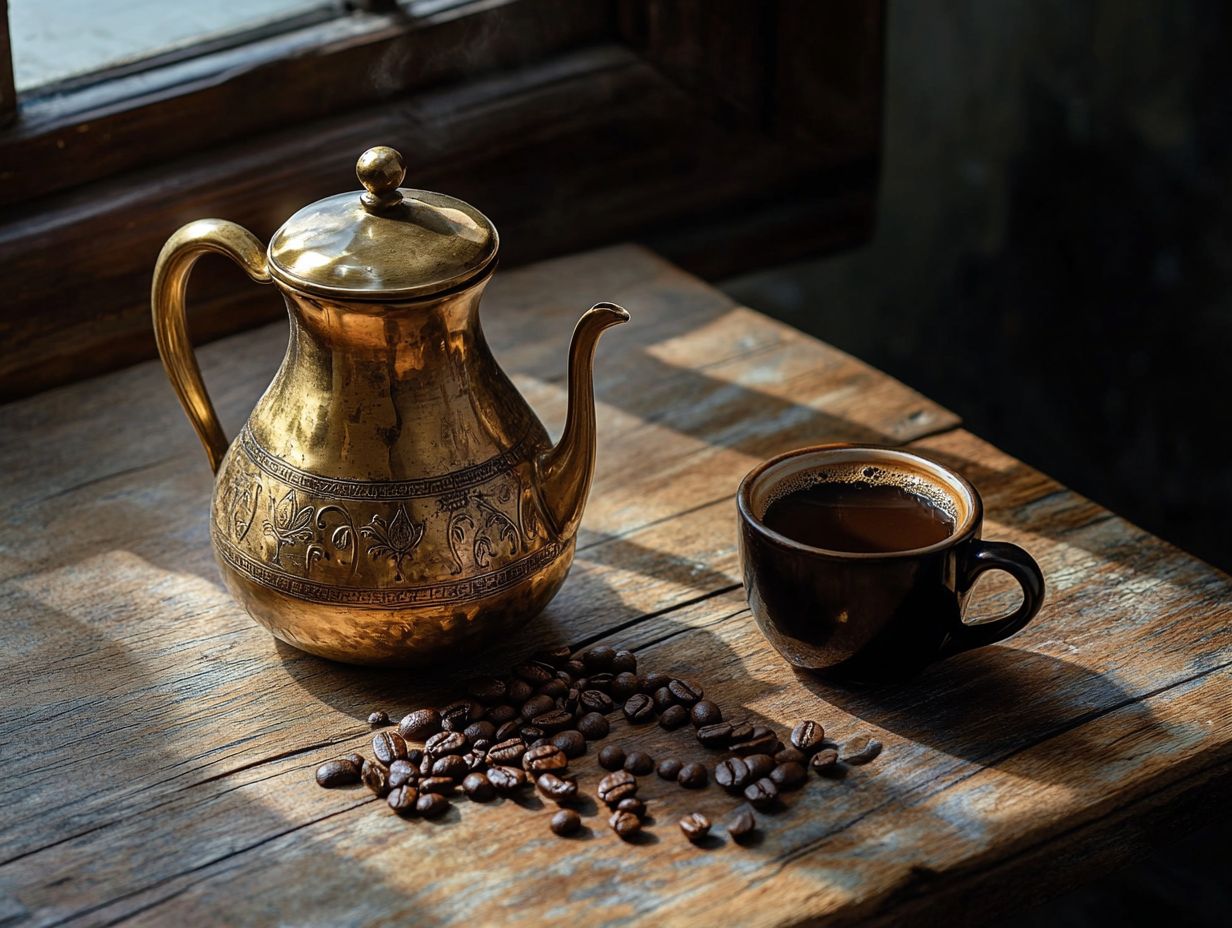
[673, 717]
[531, 733]
[506, 779]
[762, 794]
[612, 757]
[598, 681]
[443, 785]
[759, 765]
[556, 688]
[507, 730]
[625, 824]
[652, 682]
[340, 772]
[559, 789]
[507, 752]
[790, 755]
[445, 742]
[617, 786]
[356, 759]
[695, 826]
[565, 822]
[375, 777]
[625, 685]
[537, 705]
[632, 804]
[554, 721]
[453, 766]
[556, 656]
[639, 709]
[388, 747]
[624, 662]
[686, 692]
[565, 677]
[431, 805]
[593, 726]
[456, 716]
[402, 799]
[541, 759]
[595, 701]
[425, 765]
[402, 772]
[478, 788]
[741, 731]
[669, 769]
[860, 750]
[533, 673]
[575, 667]
[414, 755]
[807, 736]
[693, 776]
[741, 824]
[639, 762]
[758, 744]
[826, 763]
[487, 690]
[420, 724]
[599, 657]
[378, 718]
[732, 774]
[571, 742]
[570, 701]
[790, 775]
[479, 731]
[705, 712]
[519, 692]
[476, 760]
[714, 736]
[501, 715]
[664, 700]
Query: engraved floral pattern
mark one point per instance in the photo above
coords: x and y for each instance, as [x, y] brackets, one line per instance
[482, 526]
[289, 524]
[394, 540]
[342, 537]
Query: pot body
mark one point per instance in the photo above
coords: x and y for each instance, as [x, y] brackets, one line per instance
[381, 505]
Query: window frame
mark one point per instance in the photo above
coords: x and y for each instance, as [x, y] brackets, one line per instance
[727, 135]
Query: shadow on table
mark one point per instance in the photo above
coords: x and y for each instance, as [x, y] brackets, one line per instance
[1000, 707]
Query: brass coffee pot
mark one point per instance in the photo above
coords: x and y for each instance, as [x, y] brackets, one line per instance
[392, 498]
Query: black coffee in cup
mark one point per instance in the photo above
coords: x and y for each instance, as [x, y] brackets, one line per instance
[859, 560]
[868, 509]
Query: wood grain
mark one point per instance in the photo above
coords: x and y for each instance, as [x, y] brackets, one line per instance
[191, 736]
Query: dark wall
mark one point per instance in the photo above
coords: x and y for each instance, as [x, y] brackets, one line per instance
[1052, 259]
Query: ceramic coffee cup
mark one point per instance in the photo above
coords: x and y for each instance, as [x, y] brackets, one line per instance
[873, 615]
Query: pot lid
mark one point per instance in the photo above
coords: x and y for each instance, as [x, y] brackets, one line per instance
[384, 243]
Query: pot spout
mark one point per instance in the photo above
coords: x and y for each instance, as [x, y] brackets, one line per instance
[565, 471]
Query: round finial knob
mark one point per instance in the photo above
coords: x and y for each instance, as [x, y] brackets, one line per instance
[380, 170]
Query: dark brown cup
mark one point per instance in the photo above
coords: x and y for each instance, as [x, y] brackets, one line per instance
[873, 616]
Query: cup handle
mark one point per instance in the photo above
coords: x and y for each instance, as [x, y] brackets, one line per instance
[996, 555]
[171, 326]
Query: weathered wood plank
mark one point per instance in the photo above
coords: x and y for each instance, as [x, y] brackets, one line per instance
[987, 761]
[191, 736]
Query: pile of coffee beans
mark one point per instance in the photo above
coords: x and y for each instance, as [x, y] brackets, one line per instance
[513, 732]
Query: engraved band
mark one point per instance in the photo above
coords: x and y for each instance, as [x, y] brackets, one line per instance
[340, 488]
[456, 591]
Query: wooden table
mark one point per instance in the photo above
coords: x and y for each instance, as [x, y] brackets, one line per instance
[158, 747]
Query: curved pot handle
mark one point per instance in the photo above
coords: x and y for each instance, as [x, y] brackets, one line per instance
[167, 294]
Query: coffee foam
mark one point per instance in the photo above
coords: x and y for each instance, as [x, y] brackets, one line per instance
[869, 474]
